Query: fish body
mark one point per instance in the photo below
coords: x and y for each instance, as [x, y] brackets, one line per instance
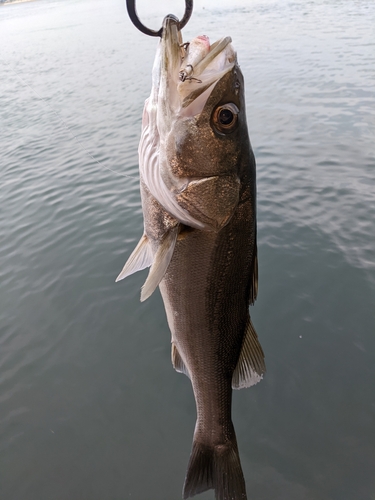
[198, 193]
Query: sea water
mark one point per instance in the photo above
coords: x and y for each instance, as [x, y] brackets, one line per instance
[90, 406]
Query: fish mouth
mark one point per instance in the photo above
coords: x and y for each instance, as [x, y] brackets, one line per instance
[190, 70]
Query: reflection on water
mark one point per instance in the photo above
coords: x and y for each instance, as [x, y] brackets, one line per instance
[90, 406]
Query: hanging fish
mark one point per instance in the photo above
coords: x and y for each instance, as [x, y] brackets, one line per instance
[197, 180]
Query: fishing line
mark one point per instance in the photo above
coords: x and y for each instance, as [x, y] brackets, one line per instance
[61, 120]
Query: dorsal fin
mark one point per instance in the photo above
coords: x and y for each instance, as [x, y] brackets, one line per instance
[161, 262]
[140, 258]
[250, 366]
[254, 284]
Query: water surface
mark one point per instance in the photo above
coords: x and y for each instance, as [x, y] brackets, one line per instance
[90, 406]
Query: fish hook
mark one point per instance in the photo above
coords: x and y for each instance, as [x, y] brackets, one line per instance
[130, 4]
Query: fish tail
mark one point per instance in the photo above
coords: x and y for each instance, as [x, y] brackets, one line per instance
[215, 467]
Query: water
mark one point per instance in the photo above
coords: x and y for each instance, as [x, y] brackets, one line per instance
[90, 407]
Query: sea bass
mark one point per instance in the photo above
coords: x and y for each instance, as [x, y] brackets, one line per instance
[197, 179]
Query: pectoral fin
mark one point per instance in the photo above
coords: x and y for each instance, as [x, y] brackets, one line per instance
[161, 262]
[250, 367]
[140, 258]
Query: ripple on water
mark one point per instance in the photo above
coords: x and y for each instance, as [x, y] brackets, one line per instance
[77, 351]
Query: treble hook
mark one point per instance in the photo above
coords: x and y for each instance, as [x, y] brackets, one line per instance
[130, 4]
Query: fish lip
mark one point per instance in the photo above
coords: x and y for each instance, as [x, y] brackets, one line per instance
[170, 18]
[215, 50]
[171, 35]
[173, 55]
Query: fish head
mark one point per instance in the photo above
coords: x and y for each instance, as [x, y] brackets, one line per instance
[198, 110]
[213, 141]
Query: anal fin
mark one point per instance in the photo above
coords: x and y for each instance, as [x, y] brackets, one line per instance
[177, 361]
[250, 366]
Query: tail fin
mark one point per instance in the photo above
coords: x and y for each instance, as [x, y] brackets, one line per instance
[217, 468]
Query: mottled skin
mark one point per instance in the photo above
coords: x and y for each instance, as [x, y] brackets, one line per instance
[210, 280]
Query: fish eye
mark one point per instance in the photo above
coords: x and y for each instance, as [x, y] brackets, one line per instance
[225, 118]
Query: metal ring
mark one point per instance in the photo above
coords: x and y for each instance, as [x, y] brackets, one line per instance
[130, 4]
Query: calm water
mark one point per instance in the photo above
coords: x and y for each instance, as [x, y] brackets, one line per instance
[90, 406]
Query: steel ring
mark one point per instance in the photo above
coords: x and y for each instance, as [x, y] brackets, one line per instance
[132, 11]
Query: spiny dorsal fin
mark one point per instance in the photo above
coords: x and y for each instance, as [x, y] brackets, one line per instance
[161, 262]
[177, 362]
[250, 367]
[140, 258]
[254, 285]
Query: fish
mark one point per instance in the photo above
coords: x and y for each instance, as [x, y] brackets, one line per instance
[198, 192]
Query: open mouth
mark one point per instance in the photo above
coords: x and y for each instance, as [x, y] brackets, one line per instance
[201, 68]
[194, 67]
[199, 55]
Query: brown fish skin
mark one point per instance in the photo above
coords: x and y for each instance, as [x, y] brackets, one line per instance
[211, 280]
[198, 193]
